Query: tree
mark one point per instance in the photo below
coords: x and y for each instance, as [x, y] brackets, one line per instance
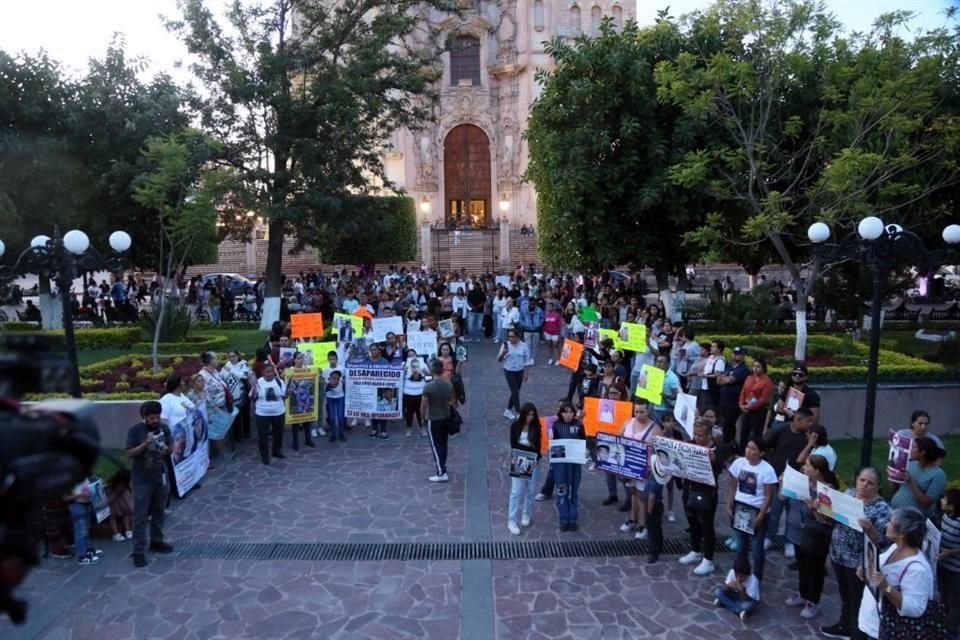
[600, 144]
[810, 125]
[381, 230]
[184, 194]
[304, 94]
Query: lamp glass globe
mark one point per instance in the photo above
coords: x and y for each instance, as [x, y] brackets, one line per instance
[120, 241]
[951, 234]
[870, 228]
[40, 241]
[3, 248]
[818, 232]
[76, 241]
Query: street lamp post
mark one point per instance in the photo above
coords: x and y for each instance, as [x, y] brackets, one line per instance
[881, 247]
[62, 260]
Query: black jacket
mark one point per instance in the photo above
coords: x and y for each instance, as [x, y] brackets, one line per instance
[516, 428]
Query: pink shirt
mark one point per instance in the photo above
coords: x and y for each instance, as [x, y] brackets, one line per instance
[551, 323]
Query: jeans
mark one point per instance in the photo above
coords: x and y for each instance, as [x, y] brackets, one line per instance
[751, 426]
[778, 508]
[703, 535]
[439, 431]
[548, 483]
[655, 528]
[149, 501]
[522, 489]
[949, 582]
[758, 555]
[496, 326]
[475, 324]
[269, 431]
[851, 593]
[567, 477]
[611, 485]
[731, 601]
[514, 381]
[812, 567]
[532, 339]
[80, 513]
[335, 419]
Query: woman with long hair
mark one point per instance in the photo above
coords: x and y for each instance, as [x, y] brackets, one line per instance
[524, 436]
[924, 481]
[566, 475]
[643, 428]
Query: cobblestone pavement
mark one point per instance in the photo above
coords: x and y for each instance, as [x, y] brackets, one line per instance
[376, 491]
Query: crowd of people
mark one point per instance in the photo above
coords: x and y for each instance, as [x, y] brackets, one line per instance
[754, 427]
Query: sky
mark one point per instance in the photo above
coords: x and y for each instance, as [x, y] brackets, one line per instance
[72, 31]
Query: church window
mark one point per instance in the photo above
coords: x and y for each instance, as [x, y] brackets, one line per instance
[618, 16]
[575, 22]
[538, 15]
[595, 16]
[465, 61]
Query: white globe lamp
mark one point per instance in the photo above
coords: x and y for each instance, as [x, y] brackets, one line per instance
[120, 241]
[870, 228]
[951, 234]
[40, 241]
[818, 232]
[76, 241]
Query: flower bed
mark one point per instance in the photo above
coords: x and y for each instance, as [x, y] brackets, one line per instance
[836, 360]
[196, 343]
[132, 377]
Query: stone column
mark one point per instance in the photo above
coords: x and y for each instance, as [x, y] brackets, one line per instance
[426, 244]
[505, 242]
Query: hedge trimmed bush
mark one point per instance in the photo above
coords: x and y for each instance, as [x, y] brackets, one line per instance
[196, 343]
[87, 339]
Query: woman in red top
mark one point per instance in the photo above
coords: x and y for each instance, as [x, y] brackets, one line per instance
[754, 400]
[552, 325]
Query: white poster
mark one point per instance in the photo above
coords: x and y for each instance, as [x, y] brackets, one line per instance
[796, 484]
[568, 450]
[374, 390]
[190, 453]
[685, 411]
[846, 510]
[423, 343]
[454, 286]
[100, 503]
[682, 460]
[503, 281]
[931, 550]
[383, 326]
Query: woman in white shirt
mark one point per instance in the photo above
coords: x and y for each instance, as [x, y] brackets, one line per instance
[904, 580]
[270, 393]
[238, 376]
[752, 484]
[515, 358]
[497, 306]
[509, 317]
[174, 405]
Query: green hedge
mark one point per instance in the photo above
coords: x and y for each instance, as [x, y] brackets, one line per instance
[204, 325]
[87, 339]
[893, 367]
[197, 343]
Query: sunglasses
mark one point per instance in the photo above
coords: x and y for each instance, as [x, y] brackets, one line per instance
[799, 374]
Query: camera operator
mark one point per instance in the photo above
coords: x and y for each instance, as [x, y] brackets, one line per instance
[148, 444]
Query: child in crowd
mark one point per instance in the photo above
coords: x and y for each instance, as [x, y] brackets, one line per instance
[120, 497]
[78, 502]
[740, 592]
[334, 392]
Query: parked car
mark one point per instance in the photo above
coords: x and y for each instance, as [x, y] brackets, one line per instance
[233, 281]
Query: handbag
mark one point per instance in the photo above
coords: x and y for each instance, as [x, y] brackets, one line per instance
[700, 502]
[931, 625]
[455, 422]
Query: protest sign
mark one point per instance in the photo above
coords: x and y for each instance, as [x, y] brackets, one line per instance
[622, 456]
[931, 550]
[632, 337]
[546, 423]
[453, 286]
[650, 384]
[899, 456]
[796, 485]
[503, 281]
[382, 326]
[373, 390]
[462, 352]
[568, 450]
[608, 334]
[302, 404]
[522, 463]
[683, 460]
[871, 562]
[744, 517]
[570, 354]
[315, 353]
[423, 343]
[306, 325]
[447, 329]
[99, 501]
[190, 454]
[685, 411]
[846, 510]
[601, 414]
[591, 336]
[286, 357]
[356, 326]
[413, 325]
[794, 398]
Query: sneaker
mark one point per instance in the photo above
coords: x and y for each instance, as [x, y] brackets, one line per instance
[743, 616]
[88, 558]
[691, 558]
[118, 537]
[789, 551]
[540, 497]
[795, 600]
[610, 500]
[513, 528]
[628, 526]
[139, 560]
[96, 552]
[384, 436]
[408, 433]
[508, 414]
[439, 478]
[767, 544]
[550, 361]
[525, 520]
[557, 363]
[835, 631]
[810, 610]
[161, 547]
[671, 517]
[128, 535]
[716, 602]
[640, 535]
[591, 465]
[372, 434]
[705, 568]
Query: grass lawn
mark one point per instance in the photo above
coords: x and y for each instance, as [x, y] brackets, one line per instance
[848, 460]
[909, 345]
[246, 340]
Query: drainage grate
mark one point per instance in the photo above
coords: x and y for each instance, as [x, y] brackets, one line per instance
[403, 551]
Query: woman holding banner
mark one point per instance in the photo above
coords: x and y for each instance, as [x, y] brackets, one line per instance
[524, 436]
[643, 428]
[700, 503]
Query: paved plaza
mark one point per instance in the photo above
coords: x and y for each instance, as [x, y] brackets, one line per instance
[367, 491]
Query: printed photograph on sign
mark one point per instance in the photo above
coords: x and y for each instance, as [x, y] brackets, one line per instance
[285, 360]
[610, 452]
[461, 352]
[744, 517]
[522, 463]
[386, 399]
[447, 329]
[302, 404]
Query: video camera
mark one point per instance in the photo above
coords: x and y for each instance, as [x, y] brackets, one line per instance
[45, 450]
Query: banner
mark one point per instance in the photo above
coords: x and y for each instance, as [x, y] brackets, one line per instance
[591, 336]
[190, 453]
[423, 343]
[374, 389]
[453, 286]
[899, 456]
[306, 325]
[608, 333]
[570, 354]
[568, 450]
[99, 501]
[546, 424]
[383, 326]
[522, 463]
[632, 337]
[601, 414]
[837, 505]
[685, 411]
[315, 353]
[682, 460]
[447, 328]
[650, 384]
[795, 484]
[503, 281]
[622, 456]
[356, 326]
[302, 404]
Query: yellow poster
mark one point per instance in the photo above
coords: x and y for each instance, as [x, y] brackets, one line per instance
[609, 333]
[304, 391]
[650, 384]
[631, 337]
[315, 353]
[355, 321]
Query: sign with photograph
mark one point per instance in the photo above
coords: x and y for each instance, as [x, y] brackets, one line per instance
[373, 390]
[522, 463]
[602, 414]
[382, 326]
[682, 460]
[302, 405]
[423, 343]
[622, 456]
[847, 510]
[190, 453]
[568, 450]
[899, 457]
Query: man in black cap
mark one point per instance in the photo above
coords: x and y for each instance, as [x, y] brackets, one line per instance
[788, 404]
[731, 383]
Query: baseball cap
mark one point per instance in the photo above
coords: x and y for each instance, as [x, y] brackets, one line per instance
[738, 350]
[800, 368]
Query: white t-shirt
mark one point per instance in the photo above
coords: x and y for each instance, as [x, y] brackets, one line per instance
[265, 406]
[751, 480]
[413, 387]
[915, 583]
[174, 408]
[509, 317]
[751, 586]
[714, 364]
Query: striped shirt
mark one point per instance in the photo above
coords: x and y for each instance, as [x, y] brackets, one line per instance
[950, 539]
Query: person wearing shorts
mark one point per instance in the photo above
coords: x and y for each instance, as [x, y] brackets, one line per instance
[552, 328]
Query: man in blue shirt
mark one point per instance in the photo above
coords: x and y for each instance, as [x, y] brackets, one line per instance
[671, 386]
[531, 319]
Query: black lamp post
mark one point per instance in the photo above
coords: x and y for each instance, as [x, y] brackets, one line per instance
[62, 260]
[881, 248]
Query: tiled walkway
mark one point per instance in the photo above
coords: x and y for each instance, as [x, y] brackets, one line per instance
[376, 491]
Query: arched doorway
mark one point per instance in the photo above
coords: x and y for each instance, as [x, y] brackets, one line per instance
[466, 174]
